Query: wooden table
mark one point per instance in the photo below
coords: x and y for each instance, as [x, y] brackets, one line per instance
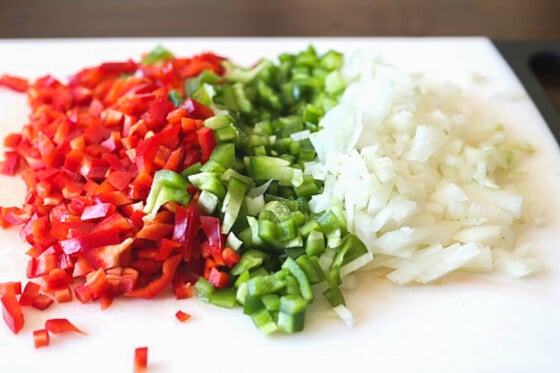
[497, 19]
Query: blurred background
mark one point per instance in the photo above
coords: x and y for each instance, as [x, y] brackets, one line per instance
[497, 19]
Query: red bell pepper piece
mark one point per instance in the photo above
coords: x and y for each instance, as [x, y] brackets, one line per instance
[63, 295]
[83, 293]
[218, 278]
[231, 257]
[90, 241]
[41, 338]
[118, 68]
[97, 211]
[120, 179]
[11, 311]
[116, 198]
[42, 302]
[42, 264]
[182, 316]
[10, 288]
[156, 286]
[56, 279]
[30, 291]
[157, 112]
[10, 164]
[140, 359]
[196, 110]
[14, 83]
[97, 283]
[57, 326]
[211, 227]
[187, 224]
[214, 243]
[109, 256]
[115, 221]
[207, 142]
[155, 231]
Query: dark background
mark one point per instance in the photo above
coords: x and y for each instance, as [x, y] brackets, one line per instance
[497, 19]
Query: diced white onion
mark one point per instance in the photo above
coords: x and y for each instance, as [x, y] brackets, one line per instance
[301, 135]
[421, 176]
[345, 315]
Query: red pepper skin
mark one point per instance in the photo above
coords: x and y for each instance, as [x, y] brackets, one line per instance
[156, 286]
[11, 311]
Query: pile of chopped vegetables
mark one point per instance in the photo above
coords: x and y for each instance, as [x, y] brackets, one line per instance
[257, 187]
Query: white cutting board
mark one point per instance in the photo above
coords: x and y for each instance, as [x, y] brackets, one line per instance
[465, 323]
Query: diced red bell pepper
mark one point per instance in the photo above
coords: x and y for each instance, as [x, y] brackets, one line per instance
[83, 293]
[115, 221]
[106, 300]
[97, 283]
[41, 338]
[42, 264]
[10, 288]
[30, 291]
[187, 224]
[155, 231]
[92, 147]
[140, 359]
[90, 241]
[196, 110]
[231, 257]
[157, 112]
[207, 142]
[109, 256]
[56, 279]
[11, 311]
[97, 211]
[42, 301]
[116, 198]
[120, 179]
[128, 280]
[214, 244]
[218, 278]
[12, 140]
[182, 316]
[57, 326]
[63, 295]
[14, 83]
[156, 286]
[10, 164]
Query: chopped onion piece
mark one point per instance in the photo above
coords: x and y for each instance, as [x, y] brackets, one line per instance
[301, 135]
[345, 315]
[356, 264]
[514, 265]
